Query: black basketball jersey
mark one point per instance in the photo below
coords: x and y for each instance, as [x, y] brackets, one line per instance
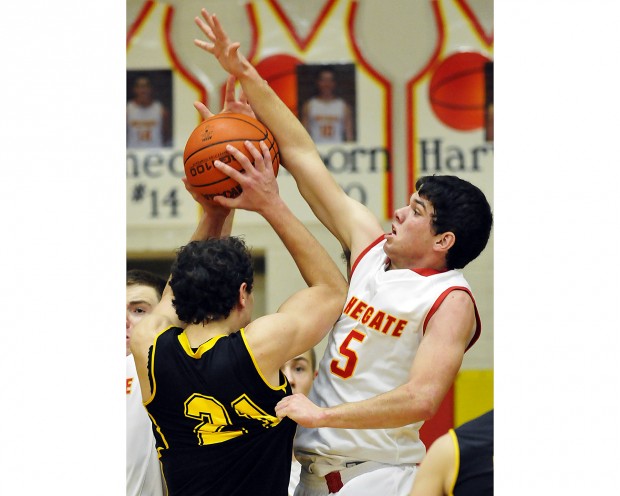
[214, 418]
[474, 457]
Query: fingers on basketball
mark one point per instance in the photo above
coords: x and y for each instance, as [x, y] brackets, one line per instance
[208, 142]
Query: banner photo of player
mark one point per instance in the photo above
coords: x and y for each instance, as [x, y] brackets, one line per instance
[149, 109]
[327, 102]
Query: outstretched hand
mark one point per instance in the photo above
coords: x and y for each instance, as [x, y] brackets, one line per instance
[231, 103]
[260, 192]
[225, 51]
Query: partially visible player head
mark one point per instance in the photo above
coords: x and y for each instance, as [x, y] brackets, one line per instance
[460, 208]
[144, 290]
[301, 371]
[448, 220]
[209, 277]
[143, 90]
[326, 82]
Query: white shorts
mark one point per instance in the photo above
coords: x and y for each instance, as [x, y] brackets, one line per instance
[365, 479]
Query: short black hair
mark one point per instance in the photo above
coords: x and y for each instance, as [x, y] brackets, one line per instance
[206, 276]
[146, 278]
[461, 208]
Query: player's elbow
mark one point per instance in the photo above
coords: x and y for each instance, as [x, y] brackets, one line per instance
[337, 298]
[423, 403]
[424, 410]
[338, 293]
[340, 288]
[330, 301]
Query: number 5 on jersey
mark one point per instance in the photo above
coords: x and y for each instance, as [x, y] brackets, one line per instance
[350, 356]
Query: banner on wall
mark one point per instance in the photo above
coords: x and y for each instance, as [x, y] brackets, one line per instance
[418, 96]
[451, 100]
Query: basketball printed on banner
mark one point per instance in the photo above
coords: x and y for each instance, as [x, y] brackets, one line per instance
[207, 143]
[457, 91]
[280, 72]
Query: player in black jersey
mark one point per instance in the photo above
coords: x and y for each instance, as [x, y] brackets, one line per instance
[460, 462]
[210, 378]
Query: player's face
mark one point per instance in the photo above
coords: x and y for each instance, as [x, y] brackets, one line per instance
[300, 373]
[140, 302]
[326, 82]
[142, 88]
[411, 241]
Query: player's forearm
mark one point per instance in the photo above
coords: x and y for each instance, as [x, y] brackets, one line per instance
[293, 140]
[298, 153]
[395, 408]
[314, 263]
[213, 224]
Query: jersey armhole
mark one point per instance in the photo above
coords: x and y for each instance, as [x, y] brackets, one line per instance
[281, 387]
[150, 365]
[440, 300]
[366, 250]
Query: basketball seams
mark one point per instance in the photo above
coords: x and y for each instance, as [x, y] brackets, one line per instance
[215, 143]
[245, 124]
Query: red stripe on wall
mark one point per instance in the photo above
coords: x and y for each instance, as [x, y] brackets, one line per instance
[140, 18]
[302, 42]
[441, 422]
[388, 105]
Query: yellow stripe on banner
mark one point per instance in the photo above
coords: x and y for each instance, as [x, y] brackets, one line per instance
[473, 395]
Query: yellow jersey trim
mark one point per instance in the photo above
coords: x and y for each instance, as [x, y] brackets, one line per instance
[457, 461]
[203, 348]
[247, 346]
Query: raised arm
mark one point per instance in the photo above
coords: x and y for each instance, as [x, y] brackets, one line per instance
[350, 221]
[433, 371]
[215, 221]
[308, 315]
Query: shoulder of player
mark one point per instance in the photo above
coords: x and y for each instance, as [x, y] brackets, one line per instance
[459, 296]
[148, 327]
[268, 339]
[264, 327]
[456, 311]
[457, 301]
[278, 336]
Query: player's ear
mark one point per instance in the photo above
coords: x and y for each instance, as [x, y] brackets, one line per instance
[445, 241]
[242, 298]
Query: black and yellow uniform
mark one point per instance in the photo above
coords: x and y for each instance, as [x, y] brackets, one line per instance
[473, 443]
[214, 419]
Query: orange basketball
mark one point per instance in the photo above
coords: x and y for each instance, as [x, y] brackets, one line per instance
[456, 91]
[280, 72]
[207, 143]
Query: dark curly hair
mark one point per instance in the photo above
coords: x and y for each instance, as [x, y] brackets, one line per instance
[461, 208]
[206, 276]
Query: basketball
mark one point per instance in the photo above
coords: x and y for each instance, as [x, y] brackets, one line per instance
[207, 143]
[280, 72]
[456, 91]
